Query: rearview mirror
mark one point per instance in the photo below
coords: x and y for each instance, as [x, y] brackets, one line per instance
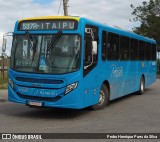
[4, 45]
[5, 36]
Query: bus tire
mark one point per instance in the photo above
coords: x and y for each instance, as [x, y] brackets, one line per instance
[103, 98]
[141, 86]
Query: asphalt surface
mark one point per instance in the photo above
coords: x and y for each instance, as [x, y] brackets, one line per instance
[130, 114]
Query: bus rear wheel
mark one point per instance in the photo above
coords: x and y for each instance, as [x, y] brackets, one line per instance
[103, 98]
[141, 86]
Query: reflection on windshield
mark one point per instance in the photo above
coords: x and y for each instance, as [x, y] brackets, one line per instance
[63, 57]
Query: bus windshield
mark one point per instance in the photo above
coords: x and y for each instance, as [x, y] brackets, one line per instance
[37, 53]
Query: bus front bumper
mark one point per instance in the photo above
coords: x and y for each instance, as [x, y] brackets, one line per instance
[72, 100]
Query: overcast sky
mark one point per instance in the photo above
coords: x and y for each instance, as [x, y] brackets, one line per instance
[114, 12]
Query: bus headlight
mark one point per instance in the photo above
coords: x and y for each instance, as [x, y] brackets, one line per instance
[11, 83]
[71, 87]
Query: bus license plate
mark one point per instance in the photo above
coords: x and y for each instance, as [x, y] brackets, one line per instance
[35, 103]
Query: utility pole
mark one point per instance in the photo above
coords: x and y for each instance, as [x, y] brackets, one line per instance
[65, 7]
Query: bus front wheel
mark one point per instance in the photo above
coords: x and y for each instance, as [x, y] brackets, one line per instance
[103, 98]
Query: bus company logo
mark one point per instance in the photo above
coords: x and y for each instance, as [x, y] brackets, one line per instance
[23, 89]
[117, 71]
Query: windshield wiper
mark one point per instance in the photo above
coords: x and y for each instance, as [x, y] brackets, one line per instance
[30, 37]
[31, 46]
[54, 40]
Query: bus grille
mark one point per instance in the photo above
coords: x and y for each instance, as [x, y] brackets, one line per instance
[37, 98]
[35, 80]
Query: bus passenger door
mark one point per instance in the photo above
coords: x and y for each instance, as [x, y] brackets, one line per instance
[90, 73]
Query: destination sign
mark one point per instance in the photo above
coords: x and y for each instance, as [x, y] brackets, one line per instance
[48, 25]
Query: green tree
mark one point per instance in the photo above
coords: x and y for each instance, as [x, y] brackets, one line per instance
[148, 14]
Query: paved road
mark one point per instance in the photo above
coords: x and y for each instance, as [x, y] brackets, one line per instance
[133, 114]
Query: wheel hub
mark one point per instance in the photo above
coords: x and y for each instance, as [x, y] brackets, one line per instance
[101, 97]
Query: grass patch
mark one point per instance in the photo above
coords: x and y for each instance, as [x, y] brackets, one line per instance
[4, 82]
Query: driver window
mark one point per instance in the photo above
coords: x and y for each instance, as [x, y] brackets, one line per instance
[91, 47]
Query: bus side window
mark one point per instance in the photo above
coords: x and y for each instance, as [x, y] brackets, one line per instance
[91, 42]
[154, 55]
[113, 46]
[91, 48]
[148, 51]
[124, 48]
[104, 45]
[88, 49]
[142, 50]
[133, 49]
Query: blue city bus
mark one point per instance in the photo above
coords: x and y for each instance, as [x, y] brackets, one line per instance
[73, 62]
